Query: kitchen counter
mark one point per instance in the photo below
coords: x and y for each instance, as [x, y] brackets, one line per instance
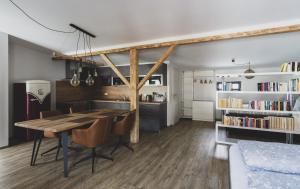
[153, 115]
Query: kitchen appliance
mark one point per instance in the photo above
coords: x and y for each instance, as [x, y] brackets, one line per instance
[159, 97]
[30, 98]
[149, 98]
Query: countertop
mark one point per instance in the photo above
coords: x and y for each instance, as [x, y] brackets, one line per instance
[120, 101]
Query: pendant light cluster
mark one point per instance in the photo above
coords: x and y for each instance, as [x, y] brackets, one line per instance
[75, 81]
[92, 73]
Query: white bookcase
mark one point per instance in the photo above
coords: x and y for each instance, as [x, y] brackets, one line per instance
[257, 94]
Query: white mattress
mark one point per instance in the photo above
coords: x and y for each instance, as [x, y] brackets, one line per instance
[238, 170]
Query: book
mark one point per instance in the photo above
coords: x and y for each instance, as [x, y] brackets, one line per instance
[290, 67]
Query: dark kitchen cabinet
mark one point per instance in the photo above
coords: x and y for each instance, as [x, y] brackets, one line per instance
[110, 105]
[153, 116]
[106, 73]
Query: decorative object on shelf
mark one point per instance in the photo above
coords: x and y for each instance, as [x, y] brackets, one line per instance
[75, 81]
[210, 81]
[249, 70]
[229, 86]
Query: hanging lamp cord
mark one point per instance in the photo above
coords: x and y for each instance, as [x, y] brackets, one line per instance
[39, 23]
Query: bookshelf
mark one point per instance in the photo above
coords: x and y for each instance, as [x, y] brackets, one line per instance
[287, 95]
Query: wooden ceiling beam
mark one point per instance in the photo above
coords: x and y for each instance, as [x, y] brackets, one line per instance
[251, 33]
[58, 56]
[115, 69]
[156, 66]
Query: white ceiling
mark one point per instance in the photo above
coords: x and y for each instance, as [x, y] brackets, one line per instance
[127, 22]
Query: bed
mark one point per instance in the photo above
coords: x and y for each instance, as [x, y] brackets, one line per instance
[238, 169]
[260, 165]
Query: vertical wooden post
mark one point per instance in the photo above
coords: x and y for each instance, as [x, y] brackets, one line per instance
[134, 94]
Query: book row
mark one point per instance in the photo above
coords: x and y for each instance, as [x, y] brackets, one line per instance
[291, 85]
[279, 105]
[230, 103]
[269, 122]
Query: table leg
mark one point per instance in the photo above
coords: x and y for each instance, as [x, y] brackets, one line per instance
[40, 137]
[64, 136]
[33, 149]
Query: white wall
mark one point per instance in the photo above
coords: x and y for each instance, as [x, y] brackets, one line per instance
[174, 93]
[187, 93]
[32, 62]
[4, 80]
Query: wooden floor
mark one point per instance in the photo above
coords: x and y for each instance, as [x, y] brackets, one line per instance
[182, 156]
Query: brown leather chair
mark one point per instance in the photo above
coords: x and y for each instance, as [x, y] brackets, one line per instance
[92, 137]
[48, 134]
[122, 128]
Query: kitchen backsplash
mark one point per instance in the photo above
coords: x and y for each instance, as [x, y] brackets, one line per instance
[148, 90]
[121, 92]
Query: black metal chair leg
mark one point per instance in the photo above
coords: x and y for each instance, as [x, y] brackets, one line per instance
[105, 157]
[37, 150]
[83, 159]
[129, 147]
[33, 149]
[54, 148]
[117, 146]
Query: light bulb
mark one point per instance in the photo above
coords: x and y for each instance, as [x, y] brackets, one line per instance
[89, 80]
[75, 80]
[79, 69]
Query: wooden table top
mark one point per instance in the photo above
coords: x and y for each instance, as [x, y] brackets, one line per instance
[66, 122]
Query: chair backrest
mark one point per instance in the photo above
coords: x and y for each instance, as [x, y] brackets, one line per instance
[45, 114]
[125, 125]
[99, 131]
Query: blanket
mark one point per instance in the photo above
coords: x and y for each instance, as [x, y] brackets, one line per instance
[269, 156]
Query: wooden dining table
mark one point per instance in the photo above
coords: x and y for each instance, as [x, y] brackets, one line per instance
[62, 124]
